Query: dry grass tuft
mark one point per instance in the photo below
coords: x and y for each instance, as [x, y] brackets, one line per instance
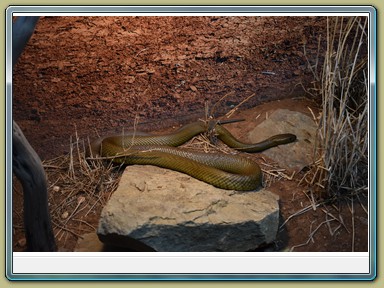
[341, 165]
[78, 190]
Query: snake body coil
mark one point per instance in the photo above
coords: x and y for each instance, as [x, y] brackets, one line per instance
[221, 170]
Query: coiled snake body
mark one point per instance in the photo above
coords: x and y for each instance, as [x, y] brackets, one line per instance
[225, 171]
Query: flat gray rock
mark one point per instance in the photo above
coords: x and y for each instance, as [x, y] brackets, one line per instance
[163, 210]
[295, 155]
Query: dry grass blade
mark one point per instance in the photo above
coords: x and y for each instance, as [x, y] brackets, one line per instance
[230, 113]
[352, 209]
[301, 211]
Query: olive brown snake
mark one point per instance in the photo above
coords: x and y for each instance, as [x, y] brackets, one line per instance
[225, 171]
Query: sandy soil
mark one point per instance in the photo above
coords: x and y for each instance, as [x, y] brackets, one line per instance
[83, 76]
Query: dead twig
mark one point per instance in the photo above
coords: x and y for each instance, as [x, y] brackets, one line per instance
[301, 211]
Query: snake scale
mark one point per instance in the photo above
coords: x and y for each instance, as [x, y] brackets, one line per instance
[225, 171]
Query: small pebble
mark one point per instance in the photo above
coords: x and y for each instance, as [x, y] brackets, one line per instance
[56, 188]
[65, 215]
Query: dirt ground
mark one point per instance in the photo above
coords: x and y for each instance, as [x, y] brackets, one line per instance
[84, 76]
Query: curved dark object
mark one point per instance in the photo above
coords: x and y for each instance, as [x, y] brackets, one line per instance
[22, 30]
[28, 169]
[26, 164]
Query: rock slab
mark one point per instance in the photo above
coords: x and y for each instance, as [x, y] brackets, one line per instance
[158, 209]
[295, 155]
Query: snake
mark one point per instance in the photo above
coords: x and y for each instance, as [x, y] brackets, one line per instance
[226, 171]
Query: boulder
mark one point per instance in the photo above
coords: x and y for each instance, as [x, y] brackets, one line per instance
[156, 209]
[294, 156]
